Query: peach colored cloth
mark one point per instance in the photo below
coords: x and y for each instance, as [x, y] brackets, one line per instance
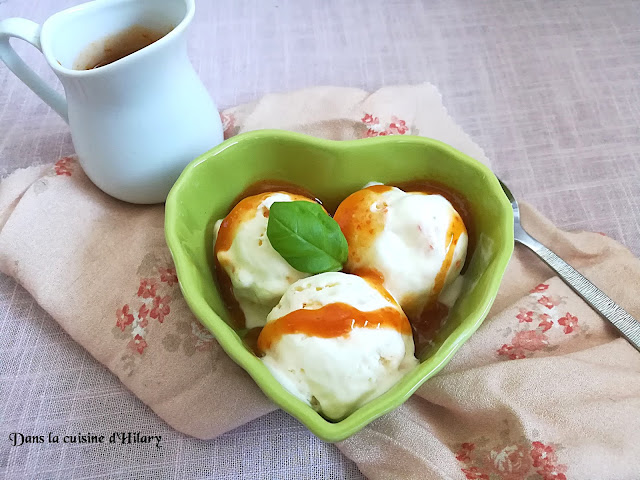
[544, 390]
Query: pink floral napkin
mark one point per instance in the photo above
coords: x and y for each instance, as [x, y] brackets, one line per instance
[544, 390]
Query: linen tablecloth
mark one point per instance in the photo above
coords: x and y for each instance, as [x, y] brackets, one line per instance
[549, 91]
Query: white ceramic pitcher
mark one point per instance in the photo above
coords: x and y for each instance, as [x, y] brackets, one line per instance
[136, 122]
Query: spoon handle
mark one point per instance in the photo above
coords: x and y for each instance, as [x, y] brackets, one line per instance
[628, 326]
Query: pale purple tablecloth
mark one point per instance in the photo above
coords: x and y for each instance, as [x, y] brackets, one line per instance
[550, 90]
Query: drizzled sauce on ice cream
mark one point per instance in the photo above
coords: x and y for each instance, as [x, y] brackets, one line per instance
[245, 207]
[331, 321]
[369, 223]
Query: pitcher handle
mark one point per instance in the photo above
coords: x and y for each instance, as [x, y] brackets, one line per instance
[29, 32]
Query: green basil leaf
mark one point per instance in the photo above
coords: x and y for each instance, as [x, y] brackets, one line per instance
[306, 237]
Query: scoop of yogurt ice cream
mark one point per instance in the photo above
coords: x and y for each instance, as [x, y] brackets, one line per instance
[337, 341]
[259, 275]
[415, 243]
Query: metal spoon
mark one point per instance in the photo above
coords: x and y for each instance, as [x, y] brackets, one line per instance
[628, 326]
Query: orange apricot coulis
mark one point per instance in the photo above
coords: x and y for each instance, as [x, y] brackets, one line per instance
[242, 212]
[455, 230]
[245, 208]
[331, 321]
[358, 223]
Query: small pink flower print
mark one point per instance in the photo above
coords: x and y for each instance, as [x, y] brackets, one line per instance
[541, 454]
[463, 454]
[474, 473]
[228, 124]
[530, 340]
[545, 322]
[160, 308]
[539, 288]
[168, 275]
[569, 322]
[397, 126]
[549, 302]
[511, 462]
[554, 476]
[153, 297]
[123, 317]
[546, 463]
[377, 129]
[138, 344]
[143, 313]
[370, 119]
[147, 288]
[511, 352]
[64, 166]
[525, 316]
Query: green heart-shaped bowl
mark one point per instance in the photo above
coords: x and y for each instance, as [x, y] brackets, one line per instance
[332, 170]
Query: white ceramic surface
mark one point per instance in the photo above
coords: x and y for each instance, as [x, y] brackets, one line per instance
[138, 121]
